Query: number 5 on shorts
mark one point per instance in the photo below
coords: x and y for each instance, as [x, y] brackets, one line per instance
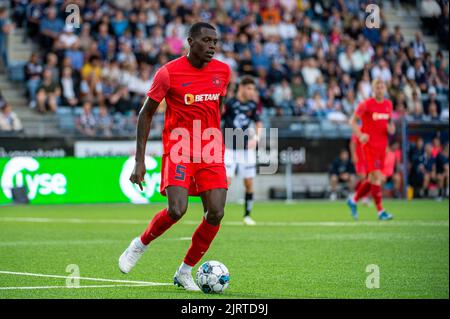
[180, 172]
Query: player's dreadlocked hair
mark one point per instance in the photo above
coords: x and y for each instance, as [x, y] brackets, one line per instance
[195, 29]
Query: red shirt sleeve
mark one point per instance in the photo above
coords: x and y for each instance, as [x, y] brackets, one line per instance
[360, 109]
[224, 91]
[160, 85]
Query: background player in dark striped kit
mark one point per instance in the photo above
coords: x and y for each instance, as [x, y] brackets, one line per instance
[240, 158]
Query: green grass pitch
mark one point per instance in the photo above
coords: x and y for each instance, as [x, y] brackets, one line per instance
[301, 250]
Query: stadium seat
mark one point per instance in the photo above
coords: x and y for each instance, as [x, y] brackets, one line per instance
[66, 120]
[329, 129]
[16, 71]
[312, 130]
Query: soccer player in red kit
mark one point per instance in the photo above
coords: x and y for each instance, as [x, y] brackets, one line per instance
[193, 86]
[357, 153]
[375, 114]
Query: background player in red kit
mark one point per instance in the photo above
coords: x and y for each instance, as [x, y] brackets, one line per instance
[375, 115]
[193, 87]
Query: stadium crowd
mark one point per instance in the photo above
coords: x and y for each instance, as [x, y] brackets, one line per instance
[313, 59]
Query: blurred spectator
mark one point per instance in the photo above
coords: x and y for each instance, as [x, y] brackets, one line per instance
[341, 172]
[120, 100]
[299, 107]
[335, 114]
[104, 122]
[433, 114]
[442, 173]
[430, 12]
[69, 92]
[310, 72]
[298, 87]
[50, 28]
[47, 94]
[33, 77]
[436, 147]
[5, 28]
[318, 87]
[9, 121]
[392, 170]
[418, 45]
[432, 98]
[317, 105]
[349, 103]
[66, 39]
[86, 122]
[425, 167]
[119, 24]
[382, 71]
[52, 65]
[282, 95]
[76, 56]
[138, 86]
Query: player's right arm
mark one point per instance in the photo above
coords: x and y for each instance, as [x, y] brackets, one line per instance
[143, 129]
[360, 109]
[155, 95]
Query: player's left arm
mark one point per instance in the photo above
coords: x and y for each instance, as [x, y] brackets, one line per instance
[221, 105]
[224, 92]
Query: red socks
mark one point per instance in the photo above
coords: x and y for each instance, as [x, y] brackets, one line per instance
[375, 190]
[362, 191]
[201, 240]
[358, 185]
[159, 224]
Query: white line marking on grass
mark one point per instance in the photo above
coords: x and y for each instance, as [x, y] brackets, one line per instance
[71, 220]
[59, 287]
[84, 278]
[335, 224]
[397, 223]
[182, 238]
[57, 242]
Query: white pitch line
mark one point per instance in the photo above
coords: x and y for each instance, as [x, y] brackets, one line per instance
[57, 242]
[335, 224]
[394, 223]
[68, 287]
[71, 220]
[84, 278]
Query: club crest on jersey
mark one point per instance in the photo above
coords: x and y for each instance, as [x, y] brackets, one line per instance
[216, 81]
[191, 98]
[380, 116]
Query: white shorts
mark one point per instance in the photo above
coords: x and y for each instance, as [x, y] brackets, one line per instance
[241, 163]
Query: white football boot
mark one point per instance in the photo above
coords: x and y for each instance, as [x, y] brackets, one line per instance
[131, 255]
[185, 280]
[249, 221]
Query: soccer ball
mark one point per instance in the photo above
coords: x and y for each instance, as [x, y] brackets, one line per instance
[213, 277]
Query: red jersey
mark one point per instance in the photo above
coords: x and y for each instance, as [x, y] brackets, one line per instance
[191, 94]
[375, 119]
